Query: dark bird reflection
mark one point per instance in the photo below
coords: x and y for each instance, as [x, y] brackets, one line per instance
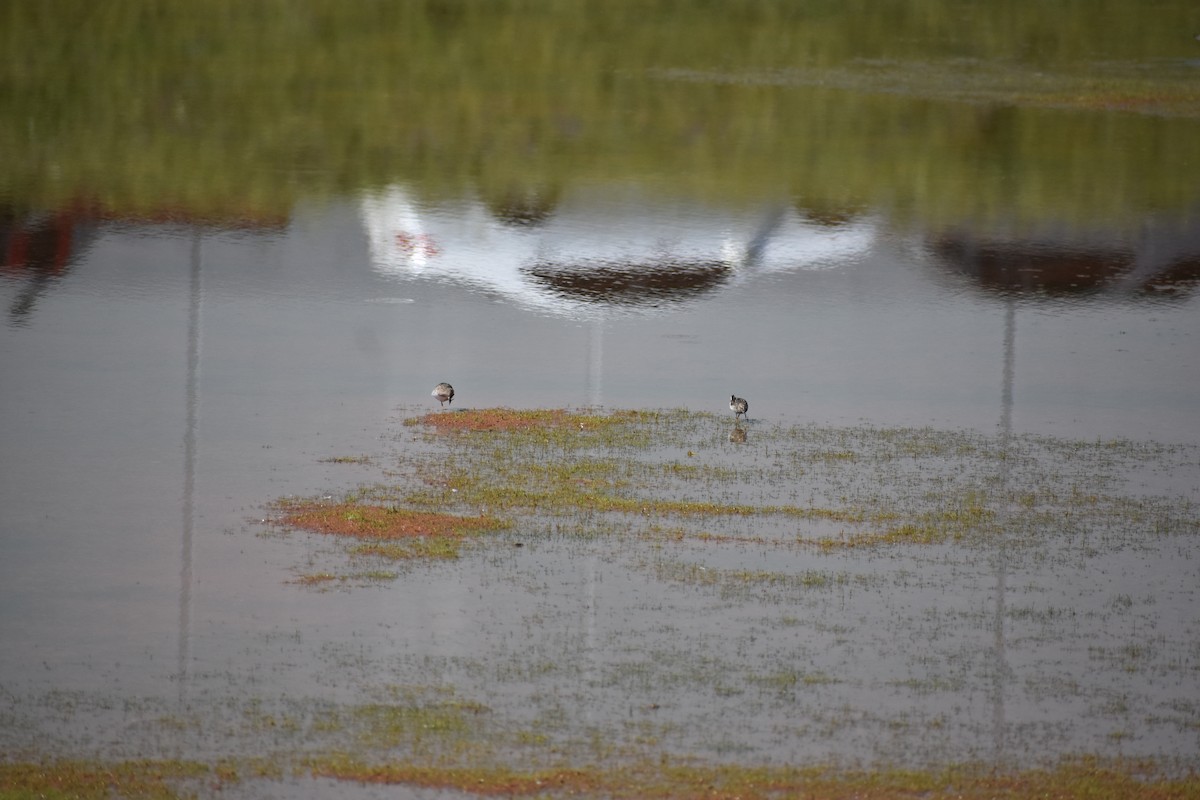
[737, 435]
[641, 283]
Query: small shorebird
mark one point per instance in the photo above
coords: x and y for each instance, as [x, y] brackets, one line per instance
[444, 392]
[738, 406]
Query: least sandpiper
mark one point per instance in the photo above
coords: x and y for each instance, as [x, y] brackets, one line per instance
[444, 392]
[738, 406]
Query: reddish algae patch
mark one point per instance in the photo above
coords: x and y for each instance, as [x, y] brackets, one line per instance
[378, 522]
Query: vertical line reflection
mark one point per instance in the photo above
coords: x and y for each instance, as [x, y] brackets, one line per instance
[189, 464]
[1000, 668]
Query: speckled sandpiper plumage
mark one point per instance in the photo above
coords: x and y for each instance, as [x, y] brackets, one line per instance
[738, 406]
[444, 392]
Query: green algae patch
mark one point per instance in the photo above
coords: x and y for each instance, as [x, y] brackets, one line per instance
[317, 579]
[508, 419]
[391, 725]
[930, 528]
[364, 460]
[362, 521]
[322, 580]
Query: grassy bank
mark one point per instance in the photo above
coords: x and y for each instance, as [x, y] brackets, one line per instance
[941, 110]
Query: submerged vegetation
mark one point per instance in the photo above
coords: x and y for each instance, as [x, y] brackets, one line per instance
[672, 476]
[145, 780]
[507, 419]
[166, 780]
[667, 781]
[777, 599]
[824, 488]
[373, 522]
[383, 531]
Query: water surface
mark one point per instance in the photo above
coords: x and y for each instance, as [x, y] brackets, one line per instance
[209, 298]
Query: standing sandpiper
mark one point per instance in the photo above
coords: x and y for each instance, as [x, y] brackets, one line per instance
[444, 392]
[738, 406]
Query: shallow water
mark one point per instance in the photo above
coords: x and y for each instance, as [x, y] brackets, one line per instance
[173, 380]
[169, 372]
